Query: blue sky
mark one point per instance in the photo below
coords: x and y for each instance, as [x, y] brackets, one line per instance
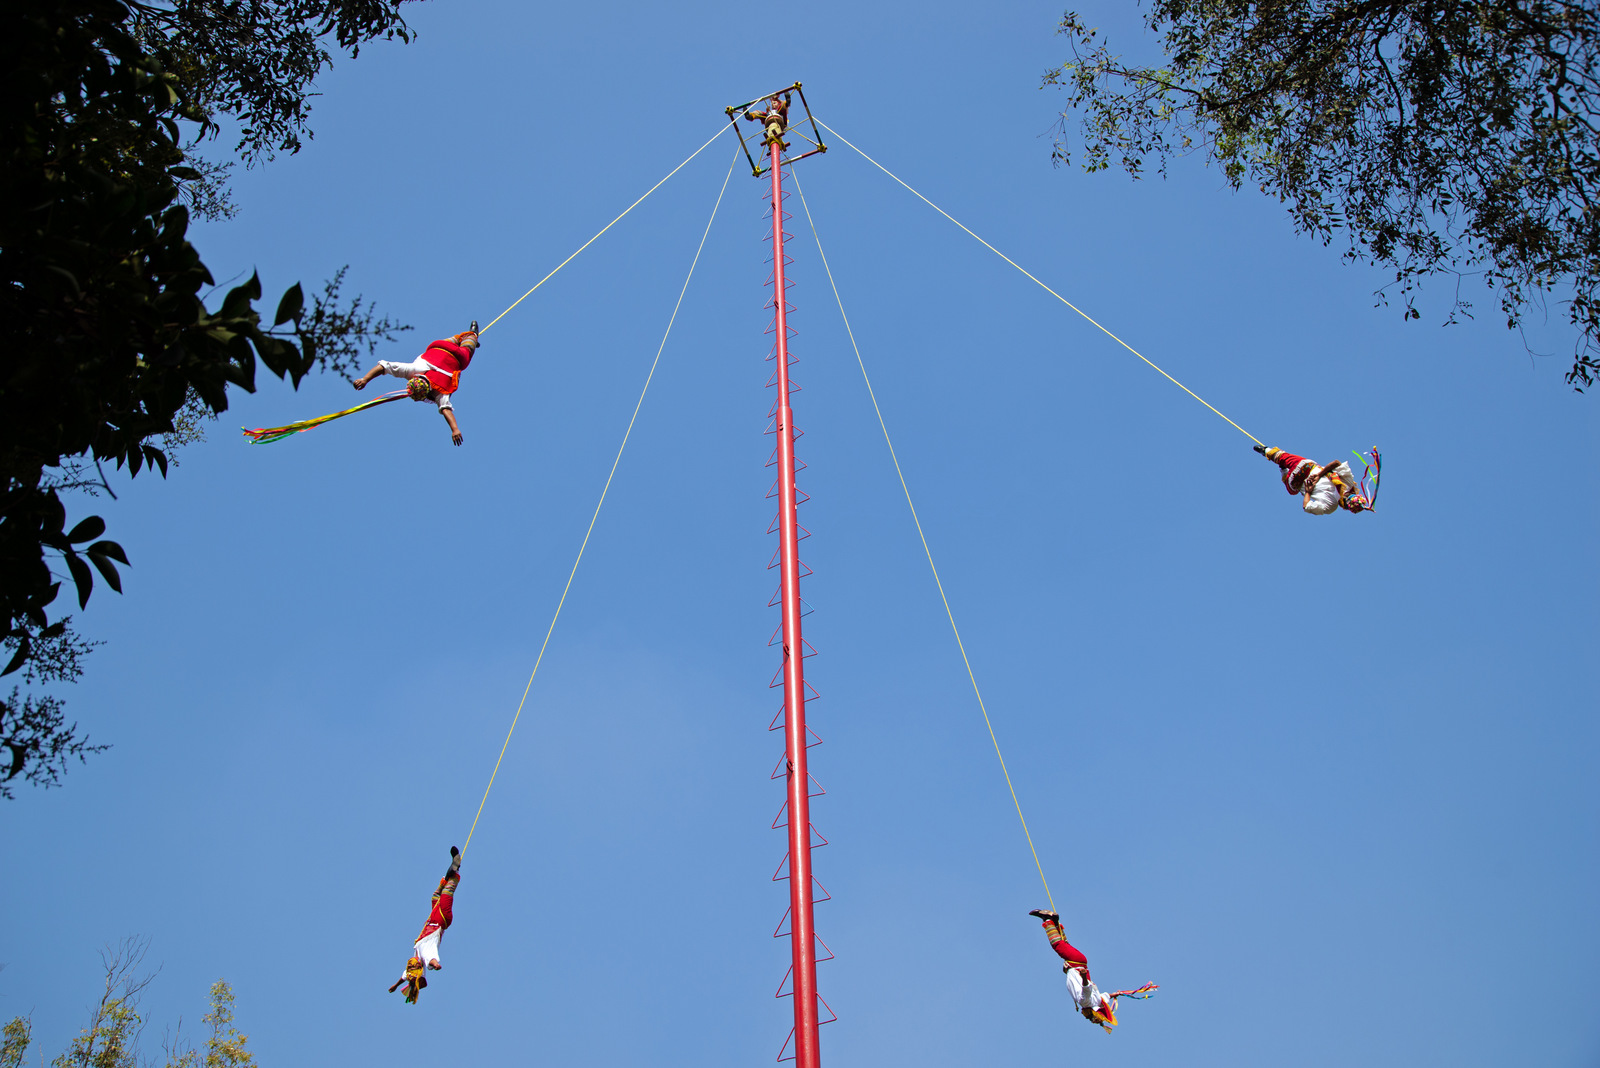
[1328, 781]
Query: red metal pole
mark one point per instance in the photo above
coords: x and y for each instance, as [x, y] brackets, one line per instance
[802, 930]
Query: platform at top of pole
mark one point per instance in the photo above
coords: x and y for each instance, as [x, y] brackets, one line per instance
[760, 165]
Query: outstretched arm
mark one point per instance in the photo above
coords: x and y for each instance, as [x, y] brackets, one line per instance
[455, 430]
[361, 383]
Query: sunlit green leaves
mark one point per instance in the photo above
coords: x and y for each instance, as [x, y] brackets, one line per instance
[1438, 137]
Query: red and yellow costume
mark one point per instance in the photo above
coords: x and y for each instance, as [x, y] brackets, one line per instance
[1096, 1007]
[442, 912]
[425, 951]
[449, 359]
[775, 120]
[1324, 488]
[439, 366]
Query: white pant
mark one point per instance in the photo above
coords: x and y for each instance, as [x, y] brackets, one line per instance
[412, 370]
[427, 946]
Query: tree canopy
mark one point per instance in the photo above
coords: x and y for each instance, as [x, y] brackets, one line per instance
[1441, 137]
[103, 299]
[113, 1036]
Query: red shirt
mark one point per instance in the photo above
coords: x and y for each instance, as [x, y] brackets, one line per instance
[451, 359]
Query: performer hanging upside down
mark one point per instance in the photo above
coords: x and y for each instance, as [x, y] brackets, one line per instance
[775, 119]
[1095, 1006]
[435, 374]
[425, 953]
[1323, 489]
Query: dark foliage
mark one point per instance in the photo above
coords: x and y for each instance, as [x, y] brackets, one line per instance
[106, 330]
[254, 61]
[1444, 137]
[36, 742]
[344, 330]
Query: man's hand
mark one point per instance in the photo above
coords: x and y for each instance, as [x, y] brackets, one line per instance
[455, 430]
[455, 436]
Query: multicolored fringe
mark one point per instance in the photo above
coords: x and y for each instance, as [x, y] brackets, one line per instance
[1373, 463]
[262, 435]
[1140, 993]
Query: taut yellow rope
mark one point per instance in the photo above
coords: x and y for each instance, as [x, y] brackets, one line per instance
[606, 489]
[1041, 285]
[606, 227]
[926, 551]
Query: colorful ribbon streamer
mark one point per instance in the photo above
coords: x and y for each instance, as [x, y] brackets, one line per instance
[1373, 464]
[1141, 993]
[262, 435]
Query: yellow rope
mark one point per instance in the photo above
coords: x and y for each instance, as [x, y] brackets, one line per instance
[607, 226]
[592, 519]
[1041, 285]
[927, 551]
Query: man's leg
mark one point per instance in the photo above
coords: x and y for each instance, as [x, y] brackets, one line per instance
[1058, 939]
[392, 367]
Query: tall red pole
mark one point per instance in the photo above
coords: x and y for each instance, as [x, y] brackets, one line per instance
[802, 931]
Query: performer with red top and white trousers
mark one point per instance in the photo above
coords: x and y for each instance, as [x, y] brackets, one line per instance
[435, 374]
[1096, 1007]
[1323, 489]
[425, 952]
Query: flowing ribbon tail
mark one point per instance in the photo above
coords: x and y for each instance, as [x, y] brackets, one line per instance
[262, 435]
[1369, 475]
[1141, 993]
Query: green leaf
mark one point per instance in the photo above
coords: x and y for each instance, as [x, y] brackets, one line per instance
[111, 549]
[23, 649]
[68, 275]
[87, 530]
[291, 306]
[156, 458]
[107, 570]
[236, 305]
[81, 576]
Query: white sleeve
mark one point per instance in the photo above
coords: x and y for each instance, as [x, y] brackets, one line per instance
[443, 401]
[1075, 986]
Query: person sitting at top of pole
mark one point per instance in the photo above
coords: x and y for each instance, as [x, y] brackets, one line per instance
[425, 952]
[1323, 489]
[1095, 1006]
[775, 119]
[435, 374]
